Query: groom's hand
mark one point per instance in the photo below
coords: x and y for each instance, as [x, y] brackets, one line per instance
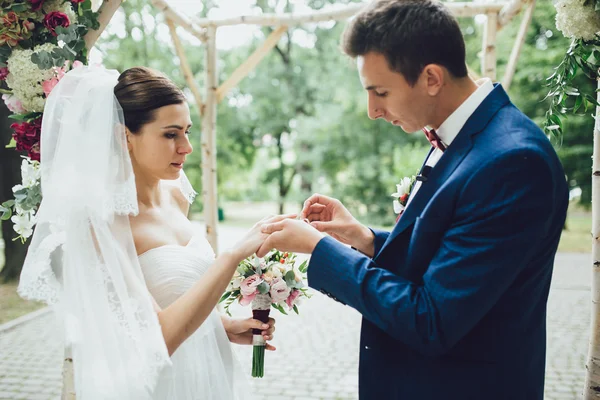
[329, 215]
[289, 235]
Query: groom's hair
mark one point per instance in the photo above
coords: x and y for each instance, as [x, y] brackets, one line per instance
[141, 91]
[410, 34]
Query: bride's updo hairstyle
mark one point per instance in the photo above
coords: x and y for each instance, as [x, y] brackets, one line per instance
[141, 91]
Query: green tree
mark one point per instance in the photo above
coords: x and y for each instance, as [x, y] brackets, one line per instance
[542, 51]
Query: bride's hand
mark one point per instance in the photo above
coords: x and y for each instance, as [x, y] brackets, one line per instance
[254, 238]
[239, 330]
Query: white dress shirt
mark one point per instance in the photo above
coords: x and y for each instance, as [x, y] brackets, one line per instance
[454, 123]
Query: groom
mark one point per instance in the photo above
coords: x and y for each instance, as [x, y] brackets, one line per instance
[454, 297]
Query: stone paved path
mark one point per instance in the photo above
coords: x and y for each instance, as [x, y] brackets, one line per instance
[317, 354]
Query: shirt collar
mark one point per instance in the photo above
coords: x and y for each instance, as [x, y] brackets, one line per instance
[454, 123]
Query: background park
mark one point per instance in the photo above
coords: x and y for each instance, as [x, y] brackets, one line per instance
[297, 124]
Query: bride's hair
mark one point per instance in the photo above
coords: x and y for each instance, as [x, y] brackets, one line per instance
[141, 91]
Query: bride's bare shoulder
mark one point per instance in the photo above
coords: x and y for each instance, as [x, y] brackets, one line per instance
[177, 196]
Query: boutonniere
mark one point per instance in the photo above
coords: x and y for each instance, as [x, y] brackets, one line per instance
[402, 192]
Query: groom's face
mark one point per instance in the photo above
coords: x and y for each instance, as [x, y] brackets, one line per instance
[391, 97]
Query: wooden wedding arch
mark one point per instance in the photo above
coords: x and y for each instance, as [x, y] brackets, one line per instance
[499, 14]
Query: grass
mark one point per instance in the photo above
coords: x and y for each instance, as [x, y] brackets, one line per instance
[12, 306]
[576, 238]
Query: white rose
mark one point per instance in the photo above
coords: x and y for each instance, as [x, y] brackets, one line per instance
[279, 290]
[23, 223]
[30, 172]
[402, 188]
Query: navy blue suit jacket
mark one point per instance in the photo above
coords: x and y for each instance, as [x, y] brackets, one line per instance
[454, 300]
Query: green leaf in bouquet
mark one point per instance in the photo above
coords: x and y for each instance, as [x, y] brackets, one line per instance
[263, 288]
[90, 19]
[12, 144]
[5, 52]
[79, 45]
[86, 5]
[225, 297]
[303, 267]
[67, 34]
[19, 7]
[60, 55]
[21, 195]
[279, 308]
[245, 270]
[295, 308]
[290, 277]
[291, 282]
[25, 117]
[227, 311]
[42, 59]
[6, 211]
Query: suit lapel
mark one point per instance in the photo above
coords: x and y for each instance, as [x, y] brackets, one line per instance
[452, 157]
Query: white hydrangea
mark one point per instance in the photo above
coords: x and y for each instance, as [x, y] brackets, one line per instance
[25, 78]
[577, 21]
[62, 6]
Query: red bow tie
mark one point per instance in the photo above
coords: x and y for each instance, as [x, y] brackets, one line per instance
[434, 139]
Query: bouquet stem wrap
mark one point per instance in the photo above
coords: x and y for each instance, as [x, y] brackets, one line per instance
[261, 306]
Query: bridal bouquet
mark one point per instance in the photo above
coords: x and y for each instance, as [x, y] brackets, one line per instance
[272, 281]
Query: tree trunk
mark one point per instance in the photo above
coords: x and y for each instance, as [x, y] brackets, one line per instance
[305, 169]
[592, 379]
[10, 175]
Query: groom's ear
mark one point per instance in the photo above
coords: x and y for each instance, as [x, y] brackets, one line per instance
[434, 77]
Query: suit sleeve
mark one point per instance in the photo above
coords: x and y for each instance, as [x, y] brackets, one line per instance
[502, 213]
[380, 238]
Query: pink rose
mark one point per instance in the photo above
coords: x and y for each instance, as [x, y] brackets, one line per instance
[49, 85]
[248, 285]
[292, 297]
[54, 20]
[13, 103]
[77, 1]
[77, 64]
[279, 290]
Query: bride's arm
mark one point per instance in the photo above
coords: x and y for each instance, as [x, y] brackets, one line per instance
[180, 319]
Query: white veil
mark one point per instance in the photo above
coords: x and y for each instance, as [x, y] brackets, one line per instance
[82, 255]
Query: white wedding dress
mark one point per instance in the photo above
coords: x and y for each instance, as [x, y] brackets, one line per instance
[204, 366]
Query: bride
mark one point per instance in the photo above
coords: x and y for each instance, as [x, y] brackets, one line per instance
[114, 250]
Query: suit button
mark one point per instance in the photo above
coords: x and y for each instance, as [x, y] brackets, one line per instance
[367, 348]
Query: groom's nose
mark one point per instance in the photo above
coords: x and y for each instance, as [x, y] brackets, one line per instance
[374, 110]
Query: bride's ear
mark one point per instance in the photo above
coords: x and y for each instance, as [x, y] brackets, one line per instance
[128, 135]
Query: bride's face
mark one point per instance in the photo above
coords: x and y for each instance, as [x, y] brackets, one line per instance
[159, 149]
